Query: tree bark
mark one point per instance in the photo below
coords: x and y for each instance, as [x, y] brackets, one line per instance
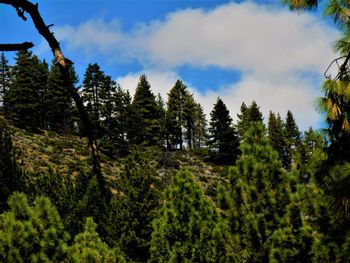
[24, 6]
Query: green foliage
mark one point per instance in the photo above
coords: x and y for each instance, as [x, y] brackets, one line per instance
[335, 105]
[134, 206]
[223, 141]
[88, 247]
[174, 112]
[145, 126]
[293, 140]
[5, 78]
[116, 111]
[188, 226]
[10, 173]
[246, 117]
[23, 98]
[88, 202]
[59, 108]
[278, 140]
[262, 205]
[32, 233]
[185, 119]
[92, 83]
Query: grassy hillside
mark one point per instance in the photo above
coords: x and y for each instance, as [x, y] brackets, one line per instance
[48, 153]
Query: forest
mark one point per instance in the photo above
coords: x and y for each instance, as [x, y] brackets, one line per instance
[162, 182]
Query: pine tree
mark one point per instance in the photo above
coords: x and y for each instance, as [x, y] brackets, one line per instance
[246, 117]
[293, 138]
[120, 128]
[134, 207]
[162, 119]
[32, 232]
[5, 78]
[277, 139]
[223, 140]
[262, 206]
[88, 247]
[200, 129]
[146, 126]
[93, 81]
[253, 113]
[41, 76]
[174, 115]
[242, 122]
[22, 98]
[189, 119]
[59, 107]
[188, 226]
[10, 173]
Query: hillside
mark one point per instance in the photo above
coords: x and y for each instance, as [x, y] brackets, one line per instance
[48, 152]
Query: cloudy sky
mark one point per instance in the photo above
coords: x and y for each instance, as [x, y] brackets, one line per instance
[239, 51]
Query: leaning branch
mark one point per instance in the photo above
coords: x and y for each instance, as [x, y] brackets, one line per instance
[24, 6]
[16, 47]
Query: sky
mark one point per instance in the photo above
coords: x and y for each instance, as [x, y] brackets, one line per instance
[236, 50]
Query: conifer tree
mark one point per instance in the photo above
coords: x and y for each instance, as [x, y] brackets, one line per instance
[33, 233]
[246, 117]
[5, 78]
[41, 78]
[120, 122]
[88, 247]
[22, 98]
[293, 138]
[162, 119]
[59, 107]
[200, 132]
[188, 226]
[262, 206]
[146, 126]
[242, 122]
[174, 115]
[189, 119]
[10, 173]
[134, 207]
[253, 113]
[185, 119]
[92, 83]
[223, 140]
[277, 139]
[107, 100]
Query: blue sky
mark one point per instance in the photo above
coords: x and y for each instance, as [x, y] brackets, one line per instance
[238, 50]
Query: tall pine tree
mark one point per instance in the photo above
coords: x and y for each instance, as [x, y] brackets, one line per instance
[223, 141]
[188, 226]
[5, 78]
[59, 105]
[174, 115]
[262, 206]
[23, 99]
[277, 138]
[146, 125]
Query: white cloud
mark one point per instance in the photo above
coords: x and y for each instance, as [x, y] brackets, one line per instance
[275, 96]
[244, 36]
[297, 95]
[269, 46]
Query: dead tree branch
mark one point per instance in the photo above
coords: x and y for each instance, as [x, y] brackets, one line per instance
[25, 6]
[16, 47]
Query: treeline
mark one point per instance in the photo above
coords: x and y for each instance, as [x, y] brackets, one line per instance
[284, 198]
[33, 96]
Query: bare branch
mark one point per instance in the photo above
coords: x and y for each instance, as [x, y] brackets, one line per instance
[16, 47]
